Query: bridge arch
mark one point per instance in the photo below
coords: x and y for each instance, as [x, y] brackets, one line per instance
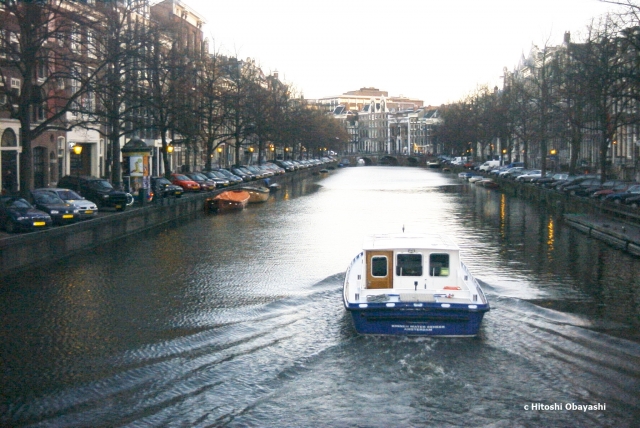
[367, 161]
[388, 160]
[413, 161]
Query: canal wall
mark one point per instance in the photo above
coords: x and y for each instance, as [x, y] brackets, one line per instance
[18, 252]
[617, 225]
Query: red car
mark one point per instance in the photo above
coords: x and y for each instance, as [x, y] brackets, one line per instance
[185, 182]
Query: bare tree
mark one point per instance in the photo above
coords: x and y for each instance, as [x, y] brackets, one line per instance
[212, 106]
[122, 38]
[42, 49]
[606, 90]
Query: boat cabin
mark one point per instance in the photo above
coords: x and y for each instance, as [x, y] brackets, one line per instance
[411, 262]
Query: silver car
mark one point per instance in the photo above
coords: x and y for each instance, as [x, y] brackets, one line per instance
[86, 208]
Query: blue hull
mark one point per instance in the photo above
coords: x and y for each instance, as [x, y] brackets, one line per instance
[418, 321]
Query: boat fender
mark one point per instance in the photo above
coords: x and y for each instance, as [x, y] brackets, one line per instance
[452, 287]
[415, 284]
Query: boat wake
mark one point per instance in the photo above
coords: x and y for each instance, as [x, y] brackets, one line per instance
[297, 361]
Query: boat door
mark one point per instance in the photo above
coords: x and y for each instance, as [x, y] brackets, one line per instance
[379, 269]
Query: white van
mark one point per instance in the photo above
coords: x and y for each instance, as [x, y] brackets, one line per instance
[489, 165]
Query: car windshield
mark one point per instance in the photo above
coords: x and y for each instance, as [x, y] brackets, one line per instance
[163, 181]
[182, 177]
[101, 184]
[47, 198]
[68, 195]
[17, 203]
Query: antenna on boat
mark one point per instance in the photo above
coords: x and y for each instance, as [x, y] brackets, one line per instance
[403, 228]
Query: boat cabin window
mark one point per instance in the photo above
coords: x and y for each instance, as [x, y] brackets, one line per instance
[409, 265]
[379, 266]
[439, 265]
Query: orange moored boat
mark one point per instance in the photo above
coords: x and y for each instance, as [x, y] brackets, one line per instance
[229, 200]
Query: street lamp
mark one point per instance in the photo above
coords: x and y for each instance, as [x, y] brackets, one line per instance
[219, 150]
[554, 158]
[76, 163]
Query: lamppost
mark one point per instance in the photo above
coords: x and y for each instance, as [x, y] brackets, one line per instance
[168, 152]
[272, 149]
[553, 157]
[219, 150]
[76, 161]
[504, 152]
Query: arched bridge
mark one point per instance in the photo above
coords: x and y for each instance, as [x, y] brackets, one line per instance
[385, 159]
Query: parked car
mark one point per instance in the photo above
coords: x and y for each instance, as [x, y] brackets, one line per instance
[619, 187]
[86, 208]
[489, 165]
[223, 173]
[277, 170]
[550, 179]
[581, 186]
[529, 176]
[572, 180]
[241, 172]
[97, 190]
[16, 214]
[621, 198]
[187, 184]
[205, 184]
[59, 211]
[510, 172]
[163, 188]
[217, 178]
[633, 201]
[286, 165]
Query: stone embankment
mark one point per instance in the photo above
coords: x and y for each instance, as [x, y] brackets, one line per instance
[618, 225]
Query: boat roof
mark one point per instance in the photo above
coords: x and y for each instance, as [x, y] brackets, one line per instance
[412, 241]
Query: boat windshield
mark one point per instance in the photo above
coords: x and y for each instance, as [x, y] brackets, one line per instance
[409, 265]
[439, 265]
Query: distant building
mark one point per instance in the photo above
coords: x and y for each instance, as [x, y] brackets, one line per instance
[378, 123]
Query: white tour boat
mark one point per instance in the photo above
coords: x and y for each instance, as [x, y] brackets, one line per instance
[413, 284]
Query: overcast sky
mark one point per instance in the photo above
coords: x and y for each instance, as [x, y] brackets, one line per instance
[435, 50]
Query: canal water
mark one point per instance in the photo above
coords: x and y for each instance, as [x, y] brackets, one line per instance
[237, 320]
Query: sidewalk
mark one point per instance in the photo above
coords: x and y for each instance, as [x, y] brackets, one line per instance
[621, 235]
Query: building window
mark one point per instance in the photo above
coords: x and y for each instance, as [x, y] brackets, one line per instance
[9, 138]
[15, 85]
[61, 141]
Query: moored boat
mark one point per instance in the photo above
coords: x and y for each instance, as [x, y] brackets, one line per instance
[229, 200]
[488, 183]
[413, 284]
[257, 193]
[274, 187]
